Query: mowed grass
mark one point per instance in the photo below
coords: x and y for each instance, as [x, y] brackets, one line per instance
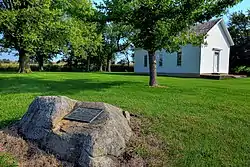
[201, 122]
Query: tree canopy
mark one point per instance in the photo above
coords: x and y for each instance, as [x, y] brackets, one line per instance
[31, 26]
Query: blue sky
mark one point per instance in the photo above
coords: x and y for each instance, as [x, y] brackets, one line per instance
[243, 6]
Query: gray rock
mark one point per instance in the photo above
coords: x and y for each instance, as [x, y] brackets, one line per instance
[43, 115]
[96, 144]
[127, 115]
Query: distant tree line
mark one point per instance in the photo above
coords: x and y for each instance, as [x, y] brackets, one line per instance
[54, 67]
[92, 34]
[5, 61]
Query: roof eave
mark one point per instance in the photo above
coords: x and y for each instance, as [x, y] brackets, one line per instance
[230, 40]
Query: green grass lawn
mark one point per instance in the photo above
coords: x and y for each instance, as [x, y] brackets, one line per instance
[202, 122]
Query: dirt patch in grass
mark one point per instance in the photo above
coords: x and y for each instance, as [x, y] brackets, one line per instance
[27, 154]
[143, 149]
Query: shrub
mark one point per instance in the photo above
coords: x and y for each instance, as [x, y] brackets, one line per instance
[244, 70]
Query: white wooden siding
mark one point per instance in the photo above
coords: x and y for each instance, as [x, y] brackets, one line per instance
[190, 61]
[216, 39]
[139, 61]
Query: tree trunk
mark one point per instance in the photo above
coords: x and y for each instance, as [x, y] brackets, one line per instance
[100, 63]
[40, 62]
[70, 63]
[128, 63]
[108, 65]
[100, 68]
[152, 69]
[24, 66]
[88, 63]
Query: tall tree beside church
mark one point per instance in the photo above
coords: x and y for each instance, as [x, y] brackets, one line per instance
[164, 24]
[239, 27]
[43, 26]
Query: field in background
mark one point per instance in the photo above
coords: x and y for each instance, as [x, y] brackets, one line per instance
[201, 122]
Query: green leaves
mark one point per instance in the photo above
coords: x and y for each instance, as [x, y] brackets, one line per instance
[48, 26]
[161, 24]
[239, 27]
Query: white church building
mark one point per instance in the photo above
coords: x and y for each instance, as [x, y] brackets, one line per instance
[193, 60]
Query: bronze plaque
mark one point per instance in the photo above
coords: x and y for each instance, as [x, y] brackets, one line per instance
[81, 114]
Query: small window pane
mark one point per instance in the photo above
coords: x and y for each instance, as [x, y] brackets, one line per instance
[145, 61]
[179, 57]
[161, 60]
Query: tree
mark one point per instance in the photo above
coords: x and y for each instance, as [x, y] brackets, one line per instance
[51, 42]
[45, 26]
[164, 24]
[22, 23]
[116, 39]
[127, 54]
[83, 54]
[239, 27]
[71, 59]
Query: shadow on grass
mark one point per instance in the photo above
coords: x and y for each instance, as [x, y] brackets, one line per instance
[41, 85]
[125, 73]
[7, 122]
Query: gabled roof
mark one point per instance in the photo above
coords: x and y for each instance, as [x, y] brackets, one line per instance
[204, 28]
